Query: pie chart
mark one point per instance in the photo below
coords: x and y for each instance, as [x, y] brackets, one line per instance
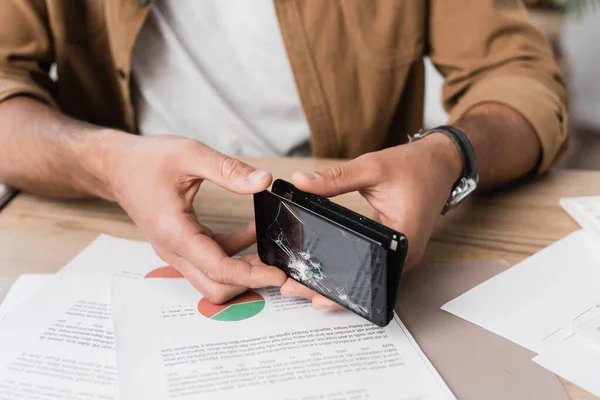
[244, 306]
[164, 272]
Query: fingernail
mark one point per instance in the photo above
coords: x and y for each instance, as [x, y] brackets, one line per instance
[256, 176]
[310, 175]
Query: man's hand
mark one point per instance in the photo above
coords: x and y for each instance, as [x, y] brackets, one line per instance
[156, 179]
[153, 179]
[407, 186]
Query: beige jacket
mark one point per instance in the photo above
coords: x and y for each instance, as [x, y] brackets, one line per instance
[357, 64]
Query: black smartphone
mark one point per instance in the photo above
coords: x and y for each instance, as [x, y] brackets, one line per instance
[348, 258]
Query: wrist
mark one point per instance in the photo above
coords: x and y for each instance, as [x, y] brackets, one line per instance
[100, 153]
[446, 158]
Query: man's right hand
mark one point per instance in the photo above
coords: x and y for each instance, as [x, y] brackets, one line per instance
[155, 180]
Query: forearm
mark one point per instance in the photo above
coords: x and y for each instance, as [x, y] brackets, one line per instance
[45, 152]
[506, 146]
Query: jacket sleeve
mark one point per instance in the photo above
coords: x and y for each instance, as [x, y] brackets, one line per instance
[488, 52]
[26, 51]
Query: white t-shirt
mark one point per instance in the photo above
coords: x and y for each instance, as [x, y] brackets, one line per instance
[217, 71]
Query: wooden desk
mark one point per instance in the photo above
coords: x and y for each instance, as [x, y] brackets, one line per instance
[39, 235]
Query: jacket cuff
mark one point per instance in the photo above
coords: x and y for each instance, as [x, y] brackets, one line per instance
[540, 106]
[16, 86]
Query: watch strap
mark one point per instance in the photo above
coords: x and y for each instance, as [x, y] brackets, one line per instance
[464, 145]
[469, 179]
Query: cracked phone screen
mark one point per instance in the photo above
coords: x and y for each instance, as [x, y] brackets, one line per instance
[324, 256]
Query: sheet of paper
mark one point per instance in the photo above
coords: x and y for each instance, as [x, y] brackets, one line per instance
[529, 302]
[60, 344]
[21, 290]
[585, 211]
[575, 351]
[585, 325]
[173, 344]
[105, 258]
[490, 367]
[576, 360]
[110, 257]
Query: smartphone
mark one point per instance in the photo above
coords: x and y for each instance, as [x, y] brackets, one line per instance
[347, 257]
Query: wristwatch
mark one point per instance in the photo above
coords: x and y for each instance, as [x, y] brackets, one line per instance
[468, 182]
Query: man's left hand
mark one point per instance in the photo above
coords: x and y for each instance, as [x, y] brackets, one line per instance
[407, 185]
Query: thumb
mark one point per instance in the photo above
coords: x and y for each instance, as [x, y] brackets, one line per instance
[336, 179]
[229, 173]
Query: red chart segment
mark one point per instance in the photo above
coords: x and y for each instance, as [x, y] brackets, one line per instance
[164, 272]
[241, 307]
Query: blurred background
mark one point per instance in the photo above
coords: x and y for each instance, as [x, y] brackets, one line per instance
[573, 29]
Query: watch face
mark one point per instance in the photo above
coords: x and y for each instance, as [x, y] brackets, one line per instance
[463, 188]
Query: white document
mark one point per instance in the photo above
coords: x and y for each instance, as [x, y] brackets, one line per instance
[172, 344]
[585, 211]
[60, 344]
[21, 290]
[575, 355]
[110, 257]
[575, 359]
[586, 324]
[105, 258]
[530, 302]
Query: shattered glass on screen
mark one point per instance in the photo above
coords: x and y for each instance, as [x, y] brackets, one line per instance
[337, 262]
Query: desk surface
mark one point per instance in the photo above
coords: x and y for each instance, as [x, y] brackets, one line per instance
[40, 235]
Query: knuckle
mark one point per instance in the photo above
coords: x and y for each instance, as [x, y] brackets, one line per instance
[336, 174]
[216, 295]
[231, 168]
[214, 274]
[333, 171]
[174, 147]
[169, 236]
[181, 143]
[370, 165]
[162, 254]
[343, 176]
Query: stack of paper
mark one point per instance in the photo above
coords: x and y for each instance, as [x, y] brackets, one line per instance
[22, 289]
[171, 343]
[550, 304]
[584, 210]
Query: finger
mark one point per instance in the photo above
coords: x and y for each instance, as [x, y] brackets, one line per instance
[207, 255]
[320, 302]
[186, 238]
[214, 292]
[334, 180]
[293, 288]
[253, 259]
[237, 241]
[227, 172]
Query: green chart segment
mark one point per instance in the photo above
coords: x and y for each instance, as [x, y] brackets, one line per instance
[242, 307]
[239, 312]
